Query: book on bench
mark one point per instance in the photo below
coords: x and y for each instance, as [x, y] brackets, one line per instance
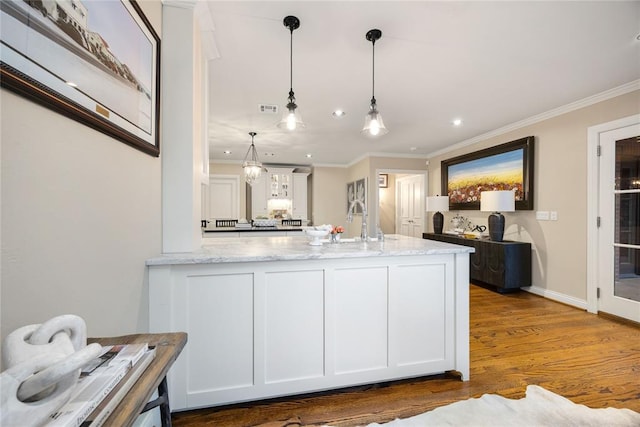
[97, 380]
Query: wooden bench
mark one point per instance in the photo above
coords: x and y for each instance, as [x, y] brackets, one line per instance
[168, 346]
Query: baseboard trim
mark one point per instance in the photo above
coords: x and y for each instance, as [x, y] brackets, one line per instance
[557, 296]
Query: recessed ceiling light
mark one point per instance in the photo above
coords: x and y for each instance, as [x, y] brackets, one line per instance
[269, 154]
[227, 152]
[413, 148]
[72, 84]
[309, 156]
[456, 122]
[338, 114]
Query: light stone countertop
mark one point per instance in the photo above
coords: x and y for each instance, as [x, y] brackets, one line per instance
[280, 248]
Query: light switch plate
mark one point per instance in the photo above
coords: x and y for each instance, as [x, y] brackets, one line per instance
[553, 216]
[542, 215]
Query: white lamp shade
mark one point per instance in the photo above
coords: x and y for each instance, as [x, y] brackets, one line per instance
[438, 204]
[497, 201]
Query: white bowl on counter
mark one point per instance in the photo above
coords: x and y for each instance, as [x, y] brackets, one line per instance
[316, 234]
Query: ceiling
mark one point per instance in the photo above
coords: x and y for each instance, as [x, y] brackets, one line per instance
[489, 63]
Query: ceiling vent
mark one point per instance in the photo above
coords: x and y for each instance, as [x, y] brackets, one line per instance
[268, 108]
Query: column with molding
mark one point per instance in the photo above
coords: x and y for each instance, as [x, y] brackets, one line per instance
[184, 72]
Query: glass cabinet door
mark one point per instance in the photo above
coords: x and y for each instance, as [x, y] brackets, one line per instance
[275, 186]
[285, 189]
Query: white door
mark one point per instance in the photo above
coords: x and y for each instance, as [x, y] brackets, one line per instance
[410, 206]
[223, 197]
[619, 232]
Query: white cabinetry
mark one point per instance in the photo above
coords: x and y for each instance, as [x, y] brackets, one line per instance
[280, 183]
[259, 197]
[300, 195]
[265, 329]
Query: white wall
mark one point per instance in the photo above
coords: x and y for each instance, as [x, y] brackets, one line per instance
[80, 215]
[560, 184]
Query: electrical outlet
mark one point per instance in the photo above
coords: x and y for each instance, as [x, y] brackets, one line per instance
[553, 216]
[542, 215]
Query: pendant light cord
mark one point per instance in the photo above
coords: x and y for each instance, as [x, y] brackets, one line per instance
[373, 72]
[291, 62]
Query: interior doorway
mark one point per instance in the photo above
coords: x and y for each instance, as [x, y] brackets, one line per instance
[401, 202]
[410, 206]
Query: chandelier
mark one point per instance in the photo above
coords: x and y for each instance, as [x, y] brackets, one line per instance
[251, 165]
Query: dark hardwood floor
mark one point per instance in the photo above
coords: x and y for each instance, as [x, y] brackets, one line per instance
[516, 339]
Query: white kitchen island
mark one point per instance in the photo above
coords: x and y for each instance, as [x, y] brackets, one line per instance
[273, 316]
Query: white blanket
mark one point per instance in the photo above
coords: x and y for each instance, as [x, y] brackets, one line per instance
[539, 408]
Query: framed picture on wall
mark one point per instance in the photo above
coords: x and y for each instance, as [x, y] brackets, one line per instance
[357, 190]
[503, 167]
[351, 193]
[383, 180]
[96, 62]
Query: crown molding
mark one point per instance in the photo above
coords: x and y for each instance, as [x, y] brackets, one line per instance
[390, 155]
[585, 102]
[226, 161]
[329, 165]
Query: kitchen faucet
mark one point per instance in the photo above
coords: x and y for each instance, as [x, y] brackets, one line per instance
[352, 205]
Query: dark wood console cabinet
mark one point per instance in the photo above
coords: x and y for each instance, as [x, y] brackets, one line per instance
[506, 265]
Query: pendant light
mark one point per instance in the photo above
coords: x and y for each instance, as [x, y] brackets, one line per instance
[291, 119]
[373, 124]
[252, 167]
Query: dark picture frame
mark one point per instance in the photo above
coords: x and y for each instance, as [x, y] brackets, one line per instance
[383, 180]
[506, 166]
[95, 62]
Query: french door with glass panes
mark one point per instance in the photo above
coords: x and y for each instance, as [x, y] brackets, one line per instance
[619, 232]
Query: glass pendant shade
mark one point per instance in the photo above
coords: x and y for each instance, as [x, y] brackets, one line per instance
[291, 119]
[373, 124]
[251, 166]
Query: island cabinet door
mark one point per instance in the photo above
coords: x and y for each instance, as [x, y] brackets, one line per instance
[290, 327]
[217, 310]
[392, 320]
[421, 316]
[359, 319]
[255, 331]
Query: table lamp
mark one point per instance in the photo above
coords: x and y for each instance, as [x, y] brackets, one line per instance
[438, 204]
[496, 202]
